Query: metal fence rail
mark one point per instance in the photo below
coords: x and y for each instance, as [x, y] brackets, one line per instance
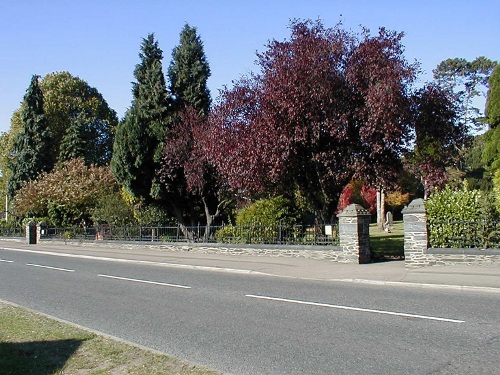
[461, 234]
[12, 232]
[290, 235]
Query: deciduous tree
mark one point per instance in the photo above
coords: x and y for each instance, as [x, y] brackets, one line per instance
[80, 120]
[439, 137]
[327, 106]
[68, 194]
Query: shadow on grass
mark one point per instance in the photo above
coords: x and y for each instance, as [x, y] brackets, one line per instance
[387, 248]
[36, 357]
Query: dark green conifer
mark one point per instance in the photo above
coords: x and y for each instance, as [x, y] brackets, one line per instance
[139, 137]
[189, 72]
[32, 151]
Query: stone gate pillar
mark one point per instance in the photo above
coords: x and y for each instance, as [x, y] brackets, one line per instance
[354, 233]
[416, 240]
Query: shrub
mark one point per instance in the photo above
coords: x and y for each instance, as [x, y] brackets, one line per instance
[461, 218]
[260, 221]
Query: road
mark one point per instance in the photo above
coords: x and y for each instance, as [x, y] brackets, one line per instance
[246, 324]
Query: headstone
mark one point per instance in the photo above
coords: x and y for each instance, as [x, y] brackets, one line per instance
[388, 218]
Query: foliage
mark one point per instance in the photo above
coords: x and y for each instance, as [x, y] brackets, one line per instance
[478, 177]
[31, 152]
[464, 80]
[139, 137]
[491, 150]
[113, 210]
[67, 195]
[188, 73]
[460, 218]
[292, 127]
[357, 192]
[152, 215]
[493, 101]
[265, 217]
[496, 189]
[397, 199]
[80, 120]
[438, 136]
[192, 188]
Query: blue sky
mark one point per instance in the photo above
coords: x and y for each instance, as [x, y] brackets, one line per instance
[99, 41]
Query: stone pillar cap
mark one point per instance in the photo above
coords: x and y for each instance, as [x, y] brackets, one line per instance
[353, 210]
[416, 206]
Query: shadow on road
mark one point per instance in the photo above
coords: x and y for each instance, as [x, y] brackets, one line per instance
[36, 357]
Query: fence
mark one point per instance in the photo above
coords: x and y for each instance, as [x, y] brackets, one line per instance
[461, 234]
[12, 232]
[255, 234]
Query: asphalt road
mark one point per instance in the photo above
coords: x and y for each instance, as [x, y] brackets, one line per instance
[251, 324]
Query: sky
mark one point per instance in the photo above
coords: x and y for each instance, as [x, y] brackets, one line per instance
[99, 40]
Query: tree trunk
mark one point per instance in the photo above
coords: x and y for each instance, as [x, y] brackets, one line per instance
[380, 208]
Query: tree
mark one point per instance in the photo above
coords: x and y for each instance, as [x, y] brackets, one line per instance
[464, 80]
[68, 194]
[191, 184]
[80, 120]
[493, 100]
[438, 136]
[188, 73]
[139, 137]
[31, 153]
[327, 106]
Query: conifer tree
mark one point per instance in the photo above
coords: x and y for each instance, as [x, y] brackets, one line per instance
[32, 152]
[189, 72]
[139, 137]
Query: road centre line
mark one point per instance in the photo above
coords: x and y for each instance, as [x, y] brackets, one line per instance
[145, 281]
[6, 261]
[356, 309]
[50, 268]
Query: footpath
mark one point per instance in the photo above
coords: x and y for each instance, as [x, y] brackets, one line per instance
[471, 278]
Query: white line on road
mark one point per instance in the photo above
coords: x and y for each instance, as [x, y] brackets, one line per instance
[6, 261]
[145, 281]
[50, 268]
[356, 309]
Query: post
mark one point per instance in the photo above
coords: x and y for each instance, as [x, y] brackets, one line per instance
[416, 240]
[31, 233]
[354, 232]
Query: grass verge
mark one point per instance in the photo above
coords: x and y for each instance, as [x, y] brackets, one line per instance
[387, 245]
[34, 344]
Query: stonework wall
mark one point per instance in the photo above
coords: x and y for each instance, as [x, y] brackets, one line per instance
[332, 253]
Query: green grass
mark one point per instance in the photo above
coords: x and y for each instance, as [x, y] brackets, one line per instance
[32, 344]
[387, 246]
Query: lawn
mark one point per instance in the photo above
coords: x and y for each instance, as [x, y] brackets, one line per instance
[33, 344]
[387, 245]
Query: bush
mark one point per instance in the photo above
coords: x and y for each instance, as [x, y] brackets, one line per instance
[260, 221]
[461, 218]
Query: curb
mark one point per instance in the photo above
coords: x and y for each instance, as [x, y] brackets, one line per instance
[467, 288]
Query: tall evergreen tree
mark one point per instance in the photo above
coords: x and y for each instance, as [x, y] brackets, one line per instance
[191, 184]
[32, 152]
[139, 137]
[189, 72]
